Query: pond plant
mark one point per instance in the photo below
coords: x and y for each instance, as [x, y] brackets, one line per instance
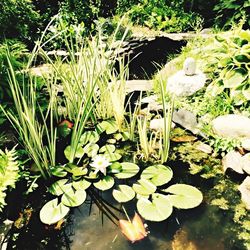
[78, 142]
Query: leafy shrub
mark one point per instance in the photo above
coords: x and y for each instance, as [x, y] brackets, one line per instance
[232, 11]
[8, 173]
[18, 19]
[162, 16]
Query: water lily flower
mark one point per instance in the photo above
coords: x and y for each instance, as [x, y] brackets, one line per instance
[100, 163]
[134, 230]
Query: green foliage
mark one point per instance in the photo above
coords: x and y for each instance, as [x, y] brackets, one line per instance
[229, 12]
[9, 173]
[165, 16]
[18, 19]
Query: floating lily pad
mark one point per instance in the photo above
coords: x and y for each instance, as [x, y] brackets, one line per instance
[113, 156]
[52, 212]
[60, 187]
[184, 196]
[158, 174]
[109, 127]
[124, 193]
[158, 209]
[79, 171]
[81, 185]
[89, 136]
[91, 149]
[74, 198]
[115, 168]
[144, 187]
[107, 148]
[78, 154]
[128, 170]
[58, 171]
[106, 183]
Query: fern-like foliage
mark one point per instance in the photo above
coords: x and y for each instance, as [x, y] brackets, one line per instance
[9, 173]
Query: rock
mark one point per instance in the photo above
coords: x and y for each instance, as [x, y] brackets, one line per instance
[246, 163]
[139, 85]
[233, 160]
[204, 148]
[189, 66]
[232, 126]
[186, 119]
[245, 143]
[158, 124]
[244, 189]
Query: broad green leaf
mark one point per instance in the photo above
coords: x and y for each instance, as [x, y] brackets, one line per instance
[91, 176]
[110, 127]
[91, 149]
[124, 193]
[115, 168]
[158, 209]
[106, 183]
[144, 187]
[78, 154]
[242, 58]
[79, 171]
[89, 136]
[74, 198]
[107, 148]
[128, 170]
[60, 187]
[52, 212]
[158, 174]
[233, 79]
[184, 196]
[81, 185]
[58, 171]
[113, 156]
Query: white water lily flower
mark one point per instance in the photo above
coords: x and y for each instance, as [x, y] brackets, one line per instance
[100, 163]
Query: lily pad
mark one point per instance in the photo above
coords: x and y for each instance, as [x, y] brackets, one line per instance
[106, 183]
[110, 127]
[158, 209]
[107, 148]
[89, 136]
[115, 168]
[58, 171]
[144, 187]
[52, 212]
[113, 156]
[128, 170]
[74, 198]
[79, 171]
[158, 174]
[91, 149]
[124, 193]
[78, 154]
[81, 185]
[184, 196]
[60, 187]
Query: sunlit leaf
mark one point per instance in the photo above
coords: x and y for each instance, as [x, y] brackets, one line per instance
[89, 136]
[109, 127]
[124, 193]
[106, 183]
[233, 79]
[157, 209]
[144, 187]
[113, 156]
[128, 170]
[184, 196]
[59, 187]
[81, 185]
[52, 212]
[158, 174]
[107, 148]
[74, 198]
[91, 149]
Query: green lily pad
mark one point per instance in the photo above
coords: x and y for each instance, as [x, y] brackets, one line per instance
[74, 198]
[158, 209]
[81, 185]
[58, 171]
[91, 149]
[124, 193]
[128, 170]
[79, 171]
[184, 196]
[106, 183]
[60, 187]
[113, 156]
[158, 174]
[107, 148]
[52, 212]
[89, 136]
[78, 154]
[115, 168]
[144, 187]
[110, 127]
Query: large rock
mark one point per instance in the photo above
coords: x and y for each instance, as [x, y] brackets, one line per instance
[232, 126]
[244, 189]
